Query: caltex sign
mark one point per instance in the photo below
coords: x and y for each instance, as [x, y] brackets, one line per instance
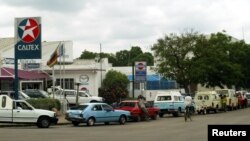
[28, 38]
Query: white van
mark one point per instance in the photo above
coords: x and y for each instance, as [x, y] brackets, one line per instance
[171, 102]
[207, 101]
[232, 100]
[248, 99]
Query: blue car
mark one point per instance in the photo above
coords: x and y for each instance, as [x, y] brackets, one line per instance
[92, 113]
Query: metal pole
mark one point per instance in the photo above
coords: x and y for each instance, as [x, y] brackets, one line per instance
[77, 93]
[53, 81]
[63, 48]
[101, 62]
[60, 49]
[133, 80]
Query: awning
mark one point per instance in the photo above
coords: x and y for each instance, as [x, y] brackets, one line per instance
[152, 77]
[22, 74]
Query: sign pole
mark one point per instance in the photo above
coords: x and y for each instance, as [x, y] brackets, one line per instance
[16, 79]
[27, 42]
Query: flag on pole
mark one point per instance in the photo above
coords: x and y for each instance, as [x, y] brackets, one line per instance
[53, 58]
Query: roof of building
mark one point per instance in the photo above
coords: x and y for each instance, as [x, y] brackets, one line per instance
[22, 74]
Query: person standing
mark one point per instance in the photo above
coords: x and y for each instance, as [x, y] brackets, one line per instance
[142, 106]
[224, 103]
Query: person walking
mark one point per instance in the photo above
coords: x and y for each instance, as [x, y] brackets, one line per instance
[188, 104]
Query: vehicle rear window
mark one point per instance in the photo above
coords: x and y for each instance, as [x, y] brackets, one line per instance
[80, 107]
[127, 104]
[4, 102]
[199, 97]
[206, 97]
[164, 98]
[248, 96]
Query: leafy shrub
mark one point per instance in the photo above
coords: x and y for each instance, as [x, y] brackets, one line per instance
[45, 103]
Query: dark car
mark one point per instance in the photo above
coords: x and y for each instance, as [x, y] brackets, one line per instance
[136, 113]
[36, 93]
[21, 95]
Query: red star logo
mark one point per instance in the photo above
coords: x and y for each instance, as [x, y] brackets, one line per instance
[29, 30]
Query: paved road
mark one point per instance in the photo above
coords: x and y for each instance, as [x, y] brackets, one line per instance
[167, 128]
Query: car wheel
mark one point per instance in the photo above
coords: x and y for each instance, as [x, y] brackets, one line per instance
[216, 110]
[154, 117]
[161, 115]
[75, 123]
[43, 122]
[122, 119]
[177, 113]
[91, 121]
[138, 118]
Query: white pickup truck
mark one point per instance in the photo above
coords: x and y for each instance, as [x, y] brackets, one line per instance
[70, 95]
[20, 111]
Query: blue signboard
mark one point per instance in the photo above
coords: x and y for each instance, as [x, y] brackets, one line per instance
[28, 38]
[140, 71]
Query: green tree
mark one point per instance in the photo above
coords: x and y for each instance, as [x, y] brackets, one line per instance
[239, 56]
[122, 58]
[135, 51]
[147, 57]
[174, 54]
[214, 65]
[87, 55]
[114, 86]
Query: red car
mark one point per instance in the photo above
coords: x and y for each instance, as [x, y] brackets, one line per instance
[136, 112]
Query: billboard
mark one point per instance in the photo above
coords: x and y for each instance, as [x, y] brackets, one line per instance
[28, 38]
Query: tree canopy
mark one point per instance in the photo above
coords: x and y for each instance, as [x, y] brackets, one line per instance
[123, 57]
[192, 58]
[114, 86]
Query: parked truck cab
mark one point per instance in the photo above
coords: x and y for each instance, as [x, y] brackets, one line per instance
[20, 111]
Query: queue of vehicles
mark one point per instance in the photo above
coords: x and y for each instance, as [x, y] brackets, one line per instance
[94, 110]
[204, 102]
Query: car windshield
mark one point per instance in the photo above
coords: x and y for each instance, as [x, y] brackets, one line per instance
[35, 93]
[86, 93]
[44, 93]
[127, 104]
[83, 94]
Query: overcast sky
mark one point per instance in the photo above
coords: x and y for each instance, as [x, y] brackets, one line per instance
[120, 24]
